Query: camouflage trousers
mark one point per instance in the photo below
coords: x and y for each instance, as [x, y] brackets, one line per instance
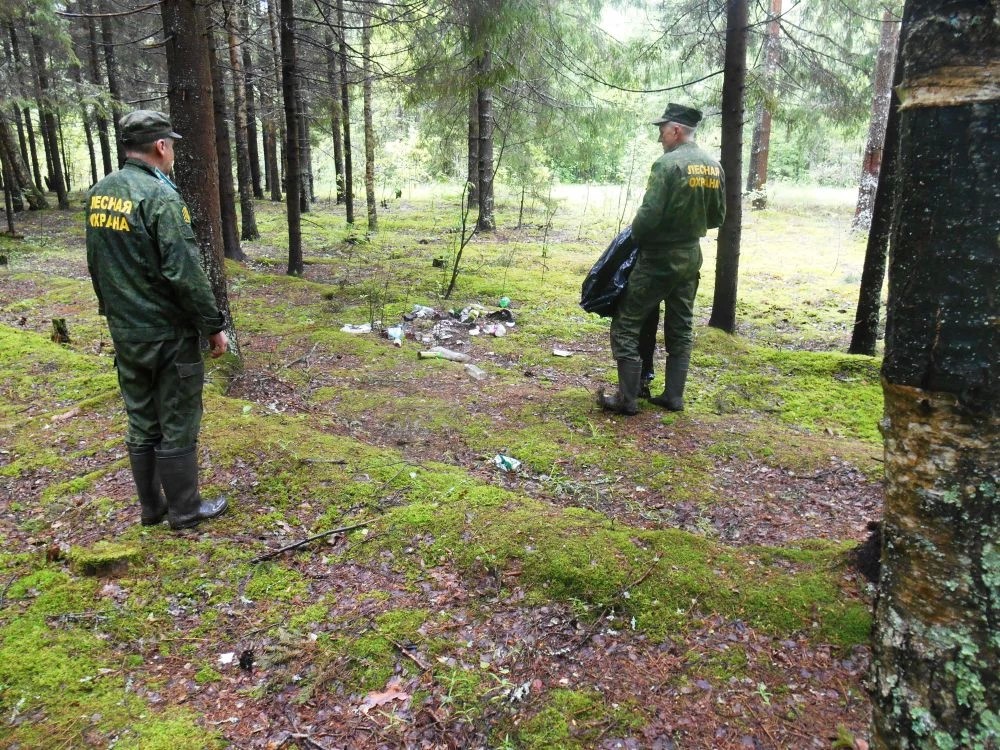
[161, 382]
[670, 277]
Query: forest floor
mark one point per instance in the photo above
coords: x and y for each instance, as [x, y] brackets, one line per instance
[661, 581]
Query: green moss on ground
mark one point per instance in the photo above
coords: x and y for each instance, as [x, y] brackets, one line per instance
[59, 684]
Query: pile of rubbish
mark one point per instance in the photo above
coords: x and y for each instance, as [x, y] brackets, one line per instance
[443, 329]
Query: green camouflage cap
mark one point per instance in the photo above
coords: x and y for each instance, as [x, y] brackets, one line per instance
[145, 126]
[680, 114]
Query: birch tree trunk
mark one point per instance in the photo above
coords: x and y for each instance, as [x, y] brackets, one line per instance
[864, 336]
[882, 86]
[727, 264]
[935, 645]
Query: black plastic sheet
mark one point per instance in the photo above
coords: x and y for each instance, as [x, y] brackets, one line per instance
[606, 281]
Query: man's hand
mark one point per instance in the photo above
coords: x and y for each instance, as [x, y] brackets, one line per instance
[219, 343]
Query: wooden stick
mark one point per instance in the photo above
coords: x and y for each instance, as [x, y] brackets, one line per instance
[304, 542]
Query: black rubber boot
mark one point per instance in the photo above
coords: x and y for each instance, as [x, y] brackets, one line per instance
[147, 485]
[672, 398]
[179, 475]
[624, 402]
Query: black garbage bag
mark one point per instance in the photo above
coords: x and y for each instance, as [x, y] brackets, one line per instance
[607, 279]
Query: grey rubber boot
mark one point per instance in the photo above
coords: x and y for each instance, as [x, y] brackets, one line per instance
[179, 476]
[147, 485]
[624, 401]
[672, 398]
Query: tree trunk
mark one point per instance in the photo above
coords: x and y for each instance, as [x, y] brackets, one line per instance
[21, 175]
[61, 141]
[881, 85]
[50, 136]
[21, 140]
[293, 176]
[77, 75]
[727, 263]
[473, 172]
[33, 150]
[223, 149]
[111, 69]
[865, 333]
[275, 127]
[94, 69]
[305, 152]
[345, 107]
[243, 177]
[486, 221]
[761, 144]
[336, 113]
[248, 80]
[366, 44]
[189, 77]
[9, 189]
[935, 645]
[278, 121]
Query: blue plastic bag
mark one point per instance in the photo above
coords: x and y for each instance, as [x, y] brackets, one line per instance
[606, 281]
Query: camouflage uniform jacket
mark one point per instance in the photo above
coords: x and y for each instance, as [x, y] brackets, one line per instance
[685, 197]
[144, 259]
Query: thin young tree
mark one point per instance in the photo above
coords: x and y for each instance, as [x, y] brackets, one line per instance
[733, 87]
[249, 80]
[336, 111]
[935, 647]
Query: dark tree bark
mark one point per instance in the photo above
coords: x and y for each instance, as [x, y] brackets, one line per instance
[882, 88]
[336, 113]
[223, 149]
[865, 334]
[111, 70]
[293, 176]
[94, 71]
[249, 81]
[760, 147]
[727, 264]
[366, 46]
[278, 120]
[50, 136]
[345, 107]
[935, 647]
[189, 76]
[243, 177]
[21, 140]
[473, 172]
[33, 150]
[486, 221]
[9, 190]
[19, 169]
[61, 140]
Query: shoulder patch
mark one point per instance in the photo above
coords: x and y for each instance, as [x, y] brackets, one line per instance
[186, 214]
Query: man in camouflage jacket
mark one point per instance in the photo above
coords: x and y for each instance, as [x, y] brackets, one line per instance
[144, 263]
[685, 197]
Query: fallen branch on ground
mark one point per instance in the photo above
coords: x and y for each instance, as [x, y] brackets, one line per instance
[304, 542]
